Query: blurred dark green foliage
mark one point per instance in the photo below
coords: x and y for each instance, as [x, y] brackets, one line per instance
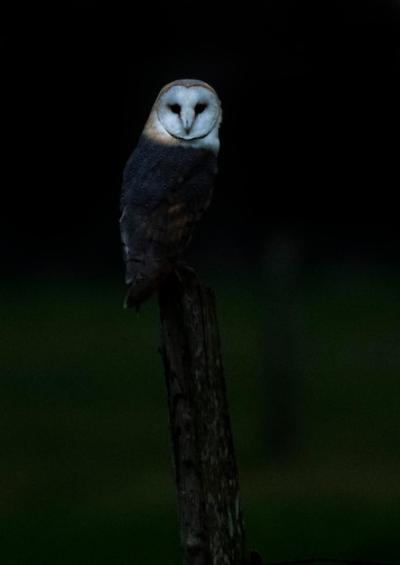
[86, 472]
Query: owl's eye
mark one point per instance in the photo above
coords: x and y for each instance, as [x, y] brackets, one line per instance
[175, 108]
[199, 108]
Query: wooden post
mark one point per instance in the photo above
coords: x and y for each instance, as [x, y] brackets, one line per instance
[211, 528]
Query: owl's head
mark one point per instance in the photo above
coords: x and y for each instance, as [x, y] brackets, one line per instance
[187, 111]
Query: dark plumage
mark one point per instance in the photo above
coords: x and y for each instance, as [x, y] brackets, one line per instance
[166, 188]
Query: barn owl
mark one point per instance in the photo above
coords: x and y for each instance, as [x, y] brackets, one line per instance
[168, 183]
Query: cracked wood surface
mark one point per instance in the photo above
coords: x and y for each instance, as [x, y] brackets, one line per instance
[211, 528]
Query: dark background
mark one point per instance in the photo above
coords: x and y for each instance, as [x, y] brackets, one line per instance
[300, 244]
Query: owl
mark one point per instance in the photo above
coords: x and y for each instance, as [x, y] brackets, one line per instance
[168, 183]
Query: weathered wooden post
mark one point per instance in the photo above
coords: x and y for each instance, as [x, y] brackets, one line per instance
[211, 528]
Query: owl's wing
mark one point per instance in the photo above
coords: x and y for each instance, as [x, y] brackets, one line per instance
[159, 212]
[153, 236]
[151, 243]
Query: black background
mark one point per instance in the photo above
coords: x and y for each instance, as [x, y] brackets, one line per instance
[309, 141]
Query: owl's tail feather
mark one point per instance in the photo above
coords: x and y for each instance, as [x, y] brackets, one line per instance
[144, 287]
[129, 302]
[135, 297]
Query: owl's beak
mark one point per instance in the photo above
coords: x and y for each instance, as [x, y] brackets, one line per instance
[187, 124]
[187, 121]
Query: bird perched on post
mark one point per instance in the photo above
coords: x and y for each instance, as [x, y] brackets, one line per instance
[168, 183]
